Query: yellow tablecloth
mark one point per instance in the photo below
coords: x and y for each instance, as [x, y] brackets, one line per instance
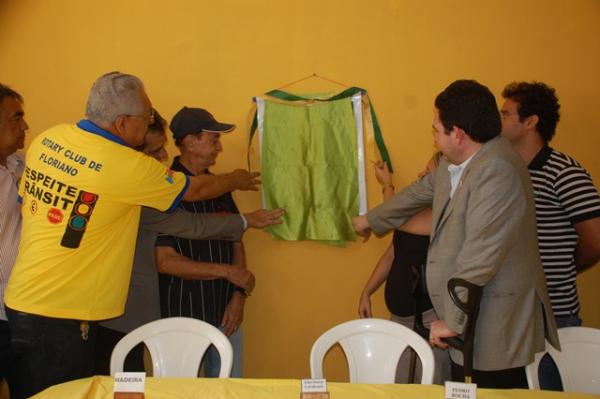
[232, 388]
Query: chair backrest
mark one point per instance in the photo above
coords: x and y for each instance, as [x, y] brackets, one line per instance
[373, 348]
[176, 346]
[578, 361]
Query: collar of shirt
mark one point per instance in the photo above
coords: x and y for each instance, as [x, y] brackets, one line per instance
[456, 172]
[14, 165]
[177, 166]
[538, 162]
[91, 127]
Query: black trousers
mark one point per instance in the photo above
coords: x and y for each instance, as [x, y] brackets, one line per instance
[497, 379]
[7, 359]
[48, 351]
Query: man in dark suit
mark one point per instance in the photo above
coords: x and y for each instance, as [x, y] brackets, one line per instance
[483, 231]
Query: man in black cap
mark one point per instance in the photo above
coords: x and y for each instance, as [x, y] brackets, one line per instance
[212, 299]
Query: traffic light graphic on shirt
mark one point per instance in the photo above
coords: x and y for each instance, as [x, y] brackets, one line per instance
[79, 219]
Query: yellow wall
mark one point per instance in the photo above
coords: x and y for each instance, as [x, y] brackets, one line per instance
[218, 54]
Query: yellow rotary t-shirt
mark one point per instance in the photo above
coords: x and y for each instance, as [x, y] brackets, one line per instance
[81, 191]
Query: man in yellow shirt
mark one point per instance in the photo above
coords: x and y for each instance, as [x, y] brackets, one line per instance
[82, 192]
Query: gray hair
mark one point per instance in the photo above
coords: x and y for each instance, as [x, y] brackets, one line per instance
[114, 94]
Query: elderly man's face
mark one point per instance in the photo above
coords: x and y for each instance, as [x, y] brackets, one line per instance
[206, 148]
[136, 126]
[12, 125]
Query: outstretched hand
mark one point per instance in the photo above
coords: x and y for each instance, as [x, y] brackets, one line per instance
[247, 181]
[361, 227]
[262, 218]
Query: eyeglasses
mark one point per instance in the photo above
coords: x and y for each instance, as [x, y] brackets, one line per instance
[150, 117]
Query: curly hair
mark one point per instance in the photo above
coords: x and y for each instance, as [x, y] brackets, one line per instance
[539, 99]
[470, 106]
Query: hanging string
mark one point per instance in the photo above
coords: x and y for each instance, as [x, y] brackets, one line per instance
[312, 76]
[331, 80]
[296, 81]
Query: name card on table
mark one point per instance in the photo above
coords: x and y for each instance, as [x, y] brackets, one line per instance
[460, 390]
[129, 385]
[314, 389]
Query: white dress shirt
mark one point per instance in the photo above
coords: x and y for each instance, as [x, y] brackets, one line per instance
[456, 172]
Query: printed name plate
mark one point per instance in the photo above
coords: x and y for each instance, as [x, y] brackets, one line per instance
[316, 385]
[460, 390]
[129, 382]
[314, 389]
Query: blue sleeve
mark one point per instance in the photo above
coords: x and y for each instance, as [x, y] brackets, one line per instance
[179, 197]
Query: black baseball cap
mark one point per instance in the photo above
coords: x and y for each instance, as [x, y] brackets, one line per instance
[196, 120]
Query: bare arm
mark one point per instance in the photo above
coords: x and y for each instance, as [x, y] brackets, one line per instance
[379, 275]
[419, 224]
[234, 312]
[384, 177]
[239, 254]
[204, 186]
[171, 262]
[239, 260]
[587, 253]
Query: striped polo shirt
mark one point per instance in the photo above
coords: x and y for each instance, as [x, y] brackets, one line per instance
[205, 300]
[10, 219]
[564, 196]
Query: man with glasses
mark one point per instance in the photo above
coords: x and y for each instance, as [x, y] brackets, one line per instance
[82, 193]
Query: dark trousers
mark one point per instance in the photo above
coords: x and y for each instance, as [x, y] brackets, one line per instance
[49, 351]
[548, 374]
[7, 358]
[497, 379]
[106, 340]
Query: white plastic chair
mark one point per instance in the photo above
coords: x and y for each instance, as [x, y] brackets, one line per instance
[578, 362]
[176, 346]
[372, 348]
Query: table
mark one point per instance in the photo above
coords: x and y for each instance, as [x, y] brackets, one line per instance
[100, 387]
